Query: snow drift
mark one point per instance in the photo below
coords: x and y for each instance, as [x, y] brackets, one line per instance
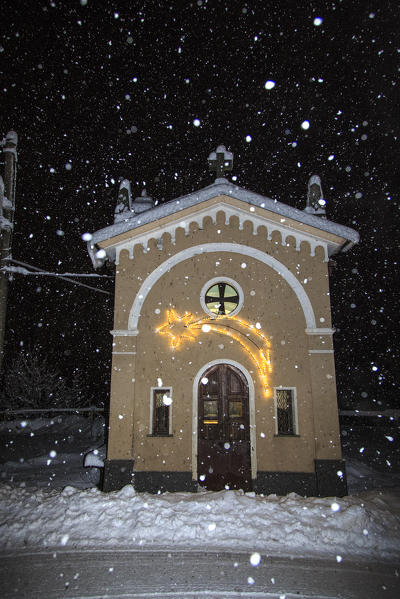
[365, 526]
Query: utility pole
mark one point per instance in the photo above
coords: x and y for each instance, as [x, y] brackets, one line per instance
[7, 209]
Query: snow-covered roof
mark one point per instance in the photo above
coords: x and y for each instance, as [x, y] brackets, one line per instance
[218, 188]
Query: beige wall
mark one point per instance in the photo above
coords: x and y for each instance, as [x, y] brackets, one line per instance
[269, 300]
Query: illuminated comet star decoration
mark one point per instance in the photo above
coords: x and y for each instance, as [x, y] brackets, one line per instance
[186, 328]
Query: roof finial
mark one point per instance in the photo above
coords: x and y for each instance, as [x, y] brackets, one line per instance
[123, 207]
[143, 202]
[315, 199]
[220, 161]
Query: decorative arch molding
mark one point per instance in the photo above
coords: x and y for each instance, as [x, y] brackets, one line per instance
[252, 413]
[224, 211]
[234, 248]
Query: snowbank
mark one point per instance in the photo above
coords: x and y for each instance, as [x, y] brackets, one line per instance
[367, 526]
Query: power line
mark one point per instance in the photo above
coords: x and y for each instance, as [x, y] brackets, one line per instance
[64, 276]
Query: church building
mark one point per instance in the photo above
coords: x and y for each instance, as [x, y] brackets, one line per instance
[223, 372]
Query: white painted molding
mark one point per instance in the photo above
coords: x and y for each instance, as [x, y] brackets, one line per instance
[314, 331]
[124, 333]
[257, 219]
[252, 202]
[252, 413]
[321, 351]
[234, 248]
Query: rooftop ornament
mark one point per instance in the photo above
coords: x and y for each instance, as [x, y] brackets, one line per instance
[142, 203]
[315, 199]
[126, 207]
[220, 161]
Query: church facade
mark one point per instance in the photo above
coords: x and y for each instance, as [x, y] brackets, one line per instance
[223, 369]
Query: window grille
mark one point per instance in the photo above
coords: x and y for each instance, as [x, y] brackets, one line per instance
[222, 299]
[285, 411]
[161, 411]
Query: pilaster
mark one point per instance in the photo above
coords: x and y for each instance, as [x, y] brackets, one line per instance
[323, 386]
[120, 440]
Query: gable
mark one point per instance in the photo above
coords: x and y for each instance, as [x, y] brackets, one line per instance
[233, 202]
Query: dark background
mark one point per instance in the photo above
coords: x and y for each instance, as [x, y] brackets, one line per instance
[111, 89]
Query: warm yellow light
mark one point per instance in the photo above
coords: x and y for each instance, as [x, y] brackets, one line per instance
[181, 328]
[177, 328]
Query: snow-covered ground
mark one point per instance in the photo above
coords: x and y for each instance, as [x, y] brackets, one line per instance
[366, 526]
[49, 452]
[36, 511]
[47, 499]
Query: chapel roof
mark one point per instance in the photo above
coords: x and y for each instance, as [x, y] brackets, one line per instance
[221, 187]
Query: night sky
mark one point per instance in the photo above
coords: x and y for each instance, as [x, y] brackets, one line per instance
[99, 90]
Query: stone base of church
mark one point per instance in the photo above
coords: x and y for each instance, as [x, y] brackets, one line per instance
[172, 482]
[116, 474]
[282, 483]
[324, 482]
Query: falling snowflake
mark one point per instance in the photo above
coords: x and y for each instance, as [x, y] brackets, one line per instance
[255, 559]
[167, 401]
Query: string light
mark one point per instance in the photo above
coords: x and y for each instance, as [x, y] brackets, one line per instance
[253, 341]
[177, 328]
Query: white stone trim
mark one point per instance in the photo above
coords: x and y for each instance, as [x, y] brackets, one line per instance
[315, 331]
[252, 202]
[152, 389]
[212, 282]
[295, 415]
[124, 333]
[320, 351]
[252, 414]
[256, 218]
[235, 248]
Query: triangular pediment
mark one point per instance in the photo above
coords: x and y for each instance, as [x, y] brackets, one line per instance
[234, 201]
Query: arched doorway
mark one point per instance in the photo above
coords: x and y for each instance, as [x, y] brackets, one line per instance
[223, 429]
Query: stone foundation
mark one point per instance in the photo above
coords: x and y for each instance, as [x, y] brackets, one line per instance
[324, 482]
[116, 474]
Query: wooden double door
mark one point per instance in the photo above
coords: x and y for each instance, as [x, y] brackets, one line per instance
[224, 429]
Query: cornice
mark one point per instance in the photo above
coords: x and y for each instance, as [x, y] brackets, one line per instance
[256, 217]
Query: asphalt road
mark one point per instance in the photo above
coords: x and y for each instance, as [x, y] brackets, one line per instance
[144, 574]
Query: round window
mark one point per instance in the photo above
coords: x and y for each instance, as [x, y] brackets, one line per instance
[221, 298]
